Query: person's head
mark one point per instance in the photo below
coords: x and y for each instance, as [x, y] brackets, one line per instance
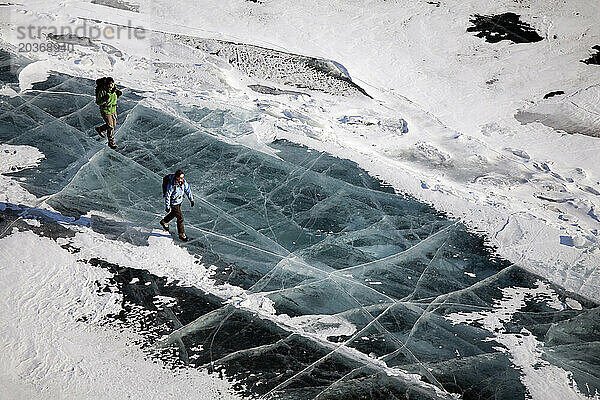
[178, 178]
[100, 84]
[104, 83]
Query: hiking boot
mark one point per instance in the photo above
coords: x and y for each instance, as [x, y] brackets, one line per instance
[183, 238]
[100, 131]
[164, 225]
[113, 146]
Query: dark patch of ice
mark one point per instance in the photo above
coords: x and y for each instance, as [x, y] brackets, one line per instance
[70, 38]
[594, 58]
[507, 26]
[567, 241]
[274, 91]
[120, 4]
[52, 225]
[110, 49]
[559, 122]
[554, 93]
[10, 67]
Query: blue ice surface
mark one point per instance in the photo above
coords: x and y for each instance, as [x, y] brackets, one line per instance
[567, 241]
[315, 234]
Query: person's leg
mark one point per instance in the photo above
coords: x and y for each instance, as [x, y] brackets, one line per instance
[107, 121]
[180, 228]
[172, 214]
[101, 129]
[111, 122]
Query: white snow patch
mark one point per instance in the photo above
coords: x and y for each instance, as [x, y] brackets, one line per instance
[323, 326]
[7, 91]
[256, 302]
[17, 158]
[574, 304]
[33, 222]
[13, 159]
[37, 71]
[162, 302]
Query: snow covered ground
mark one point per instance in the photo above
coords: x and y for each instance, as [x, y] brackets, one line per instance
[503, 136]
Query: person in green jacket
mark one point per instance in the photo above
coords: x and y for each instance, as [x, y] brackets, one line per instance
[106, 98]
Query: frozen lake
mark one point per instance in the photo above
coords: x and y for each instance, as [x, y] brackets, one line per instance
[374, 285]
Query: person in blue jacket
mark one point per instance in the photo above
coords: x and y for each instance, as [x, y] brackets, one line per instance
[175, 188]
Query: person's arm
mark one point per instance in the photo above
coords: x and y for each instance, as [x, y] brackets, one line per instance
[188, 192]
[116, 91]
[168, 195]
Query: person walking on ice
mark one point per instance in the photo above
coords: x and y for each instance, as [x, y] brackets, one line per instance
[106, 98]
[174, 187]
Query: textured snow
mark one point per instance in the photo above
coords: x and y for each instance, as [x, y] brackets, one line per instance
[400, 88]
[12, 159]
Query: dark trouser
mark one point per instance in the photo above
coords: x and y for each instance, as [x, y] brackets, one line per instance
[176, 213]
[109, 126]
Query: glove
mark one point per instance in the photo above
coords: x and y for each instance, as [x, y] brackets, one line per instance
[119, 93]
[167, 209]
[192, 202]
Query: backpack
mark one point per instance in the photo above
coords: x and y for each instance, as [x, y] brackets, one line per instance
[166, 181]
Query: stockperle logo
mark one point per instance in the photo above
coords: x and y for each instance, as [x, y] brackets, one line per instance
[64, 38]
[84, 30]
